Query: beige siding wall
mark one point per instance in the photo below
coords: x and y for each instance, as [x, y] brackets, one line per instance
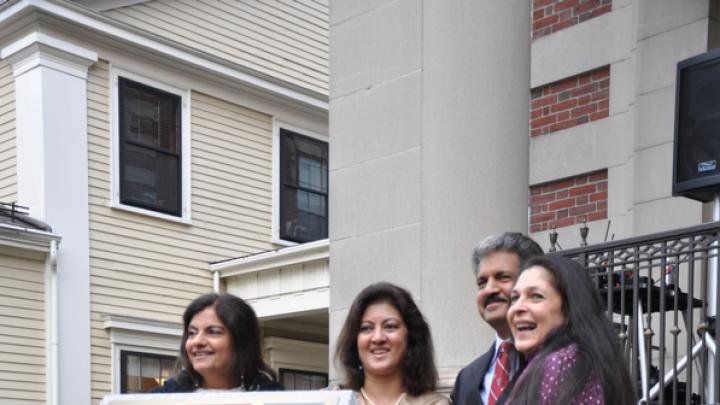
[8, 173]
[151, 268]
[22, 330]
[286, 39]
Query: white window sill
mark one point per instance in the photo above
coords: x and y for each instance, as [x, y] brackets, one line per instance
[185, 220]
[277, 241]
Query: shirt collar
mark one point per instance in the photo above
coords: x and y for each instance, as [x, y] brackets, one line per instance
[498, 342]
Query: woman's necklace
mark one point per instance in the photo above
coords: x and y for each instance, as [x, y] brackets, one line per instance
[371, 402]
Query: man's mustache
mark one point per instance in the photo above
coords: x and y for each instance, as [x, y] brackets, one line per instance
[496, 297]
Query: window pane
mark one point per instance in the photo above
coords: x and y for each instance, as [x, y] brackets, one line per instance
[133, 374]
[150, 178]
[151, 116]
[149, 373]
[302, 380]
[289, 161]
[307, 219]
[311, 147]
[166, 369]
[311, 227]
[288, 381]
[319, 381]
[303, 195]
[144, 371]
[142, 120]
[312, 174]
[311, 203]
[150, 148]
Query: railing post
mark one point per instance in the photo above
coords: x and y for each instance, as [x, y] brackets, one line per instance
[712, 366]
[692, 252]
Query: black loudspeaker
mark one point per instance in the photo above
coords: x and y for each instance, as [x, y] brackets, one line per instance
[696, 155]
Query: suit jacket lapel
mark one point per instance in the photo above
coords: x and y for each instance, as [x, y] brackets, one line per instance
[488, 358]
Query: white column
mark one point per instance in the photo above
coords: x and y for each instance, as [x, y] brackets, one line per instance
[52, 175]
[429, 153]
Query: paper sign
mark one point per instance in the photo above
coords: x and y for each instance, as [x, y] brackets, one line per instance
[234, 398]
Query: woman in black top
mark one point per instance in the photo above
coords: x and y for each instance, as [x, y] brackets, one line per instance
[221, 348]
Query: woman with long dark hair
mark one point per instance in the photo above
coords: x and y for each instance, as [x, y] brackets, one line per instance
[560, 325]
[385, 350]
[221, 348]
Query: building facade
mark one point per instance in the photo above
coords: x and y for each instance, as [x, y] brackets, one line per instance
[150, 135]
[473, 143]
[178, 147]
[28, 254]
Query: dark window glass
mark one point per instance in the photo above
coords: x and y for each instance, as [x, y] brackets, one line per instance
[150, 153]
[304, 190]
[140, 372]
[296, 380]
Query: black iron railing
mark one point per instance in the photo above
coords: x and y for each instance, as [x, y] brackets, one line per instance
[660, 292]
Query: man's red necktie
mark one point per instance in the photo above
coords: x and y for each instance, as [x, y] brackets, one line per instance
[501, 378]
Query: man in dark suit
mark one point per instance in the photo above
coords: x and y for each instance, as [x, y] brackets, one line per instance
[497, 260]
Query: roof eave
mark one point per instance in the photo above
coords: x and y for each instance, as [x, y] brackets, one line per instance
[123, 33]
[27, 238]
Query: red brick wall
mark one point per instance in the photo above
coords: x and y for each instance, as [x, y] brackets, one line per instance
[570, 102]
[568, 201]
[553, 15]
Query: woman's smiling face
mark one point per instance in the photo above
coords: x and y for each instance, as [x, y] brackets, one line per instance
[535, 310]
[382, 340]
[209, 348]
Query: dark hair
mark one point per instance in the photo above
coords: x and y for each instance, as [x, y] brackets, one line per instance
[247, 367]
[587, 326]
[513, 242]
[418, 370]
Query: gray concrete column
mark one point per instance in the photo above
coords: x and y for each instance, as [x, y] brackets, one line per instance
[428, 152]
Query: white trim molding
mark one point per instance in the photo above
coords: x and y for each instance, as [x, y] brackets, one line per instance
[287, 256]
[178, 53]
[140, 335]
[140, 325]
[105, 5]
[185, 139]
[290, 281]
[39, 49]
[51, 318]
[27, 238]
[33, 58]
[276, 158]
[296, 354]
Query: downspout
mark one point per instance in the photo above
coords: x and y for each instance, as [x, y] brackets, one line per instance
[216, 281]
[54, 367]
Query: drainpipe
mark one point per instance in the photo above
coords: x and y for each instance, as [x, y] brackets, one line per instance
[54, 366]
[216, 281]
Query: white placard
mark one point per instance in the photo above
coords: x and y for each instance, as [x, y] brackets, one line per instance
[234, 398]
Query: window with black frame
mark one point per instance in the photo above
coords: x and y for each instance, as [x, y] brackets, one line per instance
[295, 380]
[140, 372]
[304, 188]
[150, 147]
